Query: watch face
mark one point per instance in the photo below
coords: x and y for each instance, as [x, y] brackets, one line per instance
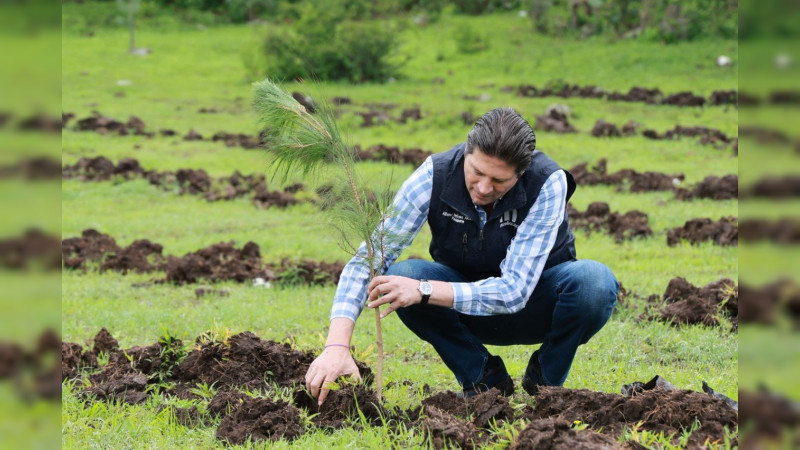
[425, 288]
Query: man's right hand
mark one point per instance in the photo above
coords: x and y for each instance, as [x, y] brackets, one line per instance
[332, 363]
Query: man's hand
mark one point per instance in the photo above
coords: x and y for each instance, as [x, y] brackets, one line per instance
[396, 291]
[332, 363]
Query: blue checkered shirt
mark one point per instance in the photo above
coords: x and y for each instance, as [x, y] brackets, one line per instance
[520, 270]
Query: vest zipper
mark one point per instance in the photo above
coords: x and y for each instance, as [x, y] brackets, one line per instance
[480, 241]
[464, 249]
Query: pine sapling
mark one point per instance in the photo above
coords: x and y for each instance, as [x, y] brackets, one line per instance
[302, 140]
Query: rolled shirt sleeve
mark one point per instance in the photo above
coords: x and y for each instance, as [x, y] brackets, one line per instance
[524, 261]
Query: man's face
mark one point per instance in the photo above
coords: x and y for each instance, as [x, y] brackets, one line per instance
[488, 178]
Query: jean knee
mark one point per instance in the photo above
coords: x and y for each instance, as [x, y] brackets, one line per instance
[408, 268]
[598, 286]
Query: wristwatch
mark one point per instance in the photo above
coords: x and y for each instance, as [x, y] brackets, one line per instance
[426, 290]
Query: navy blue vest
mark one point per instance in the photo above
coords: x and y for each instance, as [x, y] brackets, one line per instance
[457, 239]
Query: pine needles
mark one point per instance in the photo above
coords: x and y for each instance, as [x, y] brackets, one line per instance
[304, 141]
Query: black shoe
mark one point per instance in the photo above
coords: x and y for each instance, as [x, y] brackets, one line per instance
[494, 376]
[533, 375]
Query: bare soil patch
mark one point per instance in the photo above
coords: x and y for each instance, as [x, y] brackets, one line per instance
[260, 419]
[689, 304]
[723, 232]
[712, 187]
[787, 186]
[764, 304]
[635, 181]
[554, 120]
[33, 169]
[598, 217]
[555, 434]
[34, 249]
[785, 230]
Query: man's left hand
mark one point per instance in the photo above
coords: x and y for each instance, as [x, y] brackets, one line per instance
[396, 291]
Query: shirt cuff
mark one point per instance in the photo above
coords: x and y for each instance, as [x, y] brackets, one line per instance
[463, 296]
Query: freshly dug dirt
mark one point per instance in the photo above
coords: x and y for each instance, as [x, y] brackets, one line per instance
[445, 431]
[554, 120]
[723, 232]
[33, 169]
[767, 416]
[683, 99]
[306, 272]
[785, 230]
[101, 168]
[689, 304]
[260, 419]
[74, 359]
[557, 434]
[713, 187]
[90, 246]
[558, 89]
[104, 342]
[381, 152]
[762, 304]
[719, 98]
[107, 125]
[246, 360]
[218, 262]
[40, 122]
[604, 129]
[32, 249]
[482, 409]
[637, 94]
[637, 181]
[657, 410]
[141, 256]
[305, 100]
[128, 388]
[708, 136]
[225, 401]
[11, 357]
[598, 217]
[342, 404]
[787, 186]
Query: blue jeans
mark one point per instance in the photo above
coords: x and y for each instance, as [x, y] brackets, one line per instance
[571, 302]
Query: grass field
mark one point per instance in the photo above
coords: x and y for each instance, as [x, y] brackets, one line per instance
[191, 69]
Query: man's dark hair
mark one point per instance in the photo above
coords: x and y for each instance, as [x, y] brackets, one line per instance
[504, 134]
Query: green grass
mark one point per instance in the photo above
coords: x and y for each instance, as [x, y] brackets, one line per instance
[192, 68]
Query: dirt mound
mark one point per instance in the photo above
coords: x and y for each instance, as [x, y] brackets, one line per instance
[127, 388]
[604, 129]
[101, 168]
[636, 181]
[556, 434]
[188, 181]
[787, 186]
[767, 416]
[33, 169]
[785, 230]
[484, 408]
[763, 135]
[350, 401]
[708, 136]
[446, 431]
[260, 419]
[91, 246]
[141, 256]
[598, 217]
[689, 304]
[305, 100]
[558, 88]
[554, 120]
[785, 97]
[723, 232]
[74, 359]
[305, 271]
[107, 125]
[104, 342]
[381, 152]
[762, 304]
[40, 122]
[246, 360]
[637, 94]
[237, 140]
[683, 99]
[410, 114]
[32, 249]
[656, 410]
[224, 402]
[713, 187]
[219, 262]
[719, 98]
